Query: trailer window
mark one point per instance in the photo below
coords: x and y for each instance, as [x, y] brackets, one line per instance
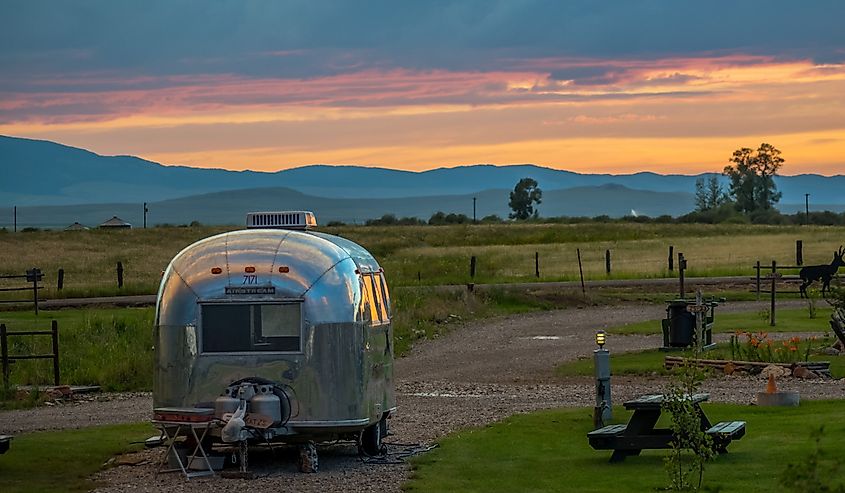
[232, 328]
[370, 298]
[376, 279]
[384, 292]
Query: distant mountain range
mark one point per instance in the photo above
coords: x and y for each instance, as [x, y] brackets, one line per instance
[91, 188]
[230, 207]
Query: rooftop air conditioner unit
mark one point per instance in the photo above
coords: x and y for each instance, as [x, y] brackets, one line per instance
[299, 220]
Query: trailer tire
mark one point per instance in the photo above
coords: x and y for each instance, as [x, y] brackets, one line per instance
[371, 438]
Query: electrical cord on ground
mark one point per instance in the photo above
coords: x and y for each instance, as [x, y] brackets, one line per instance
[404, 451]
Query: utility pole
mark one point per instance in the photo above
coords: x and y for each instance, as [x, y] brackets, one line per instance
[473, 210]
[807, 206]
[145, 215]
[16, 219]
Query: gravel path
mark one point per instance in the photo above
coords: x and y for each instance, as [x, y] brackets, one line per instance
[477, 374]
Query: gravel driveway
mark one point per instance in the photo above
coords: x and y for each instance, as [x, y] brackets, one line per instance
[477, 374]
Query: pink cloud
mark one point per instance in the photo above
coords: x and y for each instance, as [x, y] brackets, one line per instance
[107, 96]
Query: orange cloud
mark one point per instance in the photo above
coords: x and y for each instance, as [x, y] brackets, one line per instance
[671, 115]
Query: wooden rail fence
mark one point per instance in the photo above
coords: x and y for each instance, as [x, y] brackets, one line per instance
[32, 276]
[7, 359]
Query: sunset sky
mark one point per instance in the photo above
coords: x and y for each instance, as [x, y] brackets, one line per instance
[613, 86]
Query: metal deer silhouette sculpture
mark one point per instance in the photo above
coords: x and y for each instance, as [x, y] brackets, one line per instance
[813, 273]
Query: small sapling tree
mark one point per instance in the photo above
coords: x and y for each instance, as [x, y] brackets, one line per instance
[691, 446]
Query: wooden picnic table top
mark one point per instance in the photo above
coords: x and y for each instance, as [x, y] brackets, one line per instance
[655, 401]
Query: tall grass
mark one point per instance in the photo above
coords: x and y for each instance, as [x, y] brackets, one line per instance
[112, 348]
[432, 255]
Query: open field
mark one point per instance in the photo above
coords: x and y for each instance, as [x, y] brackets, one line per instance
[432, 255]
[548, 451]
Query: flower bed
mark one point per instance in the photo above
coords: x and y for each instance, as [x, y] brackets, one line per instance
[808, 369]
[748, 346]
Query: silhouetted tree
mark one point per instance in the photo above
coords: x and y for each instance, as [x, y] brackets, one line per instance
[709, 194]
[752, 177]
[525, 195]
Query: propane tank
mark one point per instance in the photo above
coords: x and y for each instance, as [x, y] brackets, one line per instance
[225, 404]
[267, 403]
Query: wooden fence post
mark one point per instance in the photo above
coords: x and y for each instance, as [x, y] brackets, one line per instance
[799, 252]
[35, 288]
[682, 265]
[60, 280]
[4, 354]
[54, 328]
[607, 261]
[758, 280]
[774, 291]
[671, 258]
[472, 267]
[120, 274]
[537, 264]
[581, 271]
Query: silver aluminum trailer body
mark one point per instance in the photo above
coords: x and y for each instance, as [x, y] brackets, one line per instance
[307, 310]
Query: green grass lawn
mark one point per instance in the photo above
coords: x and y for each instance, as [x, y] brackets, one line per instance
[64, 461]
[788, 320]
[548, 451]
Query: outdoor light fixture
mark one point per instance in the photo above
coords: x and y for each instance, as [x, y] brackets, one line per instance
[600, 338]
[602, 414]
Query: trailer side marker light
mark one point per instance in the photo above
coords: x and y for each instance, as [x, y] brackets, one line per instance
[284, 269]
[216, 270]
[249, 269]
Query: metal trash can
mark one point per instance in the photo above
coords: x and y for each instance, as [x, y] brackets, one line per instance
[681, 324]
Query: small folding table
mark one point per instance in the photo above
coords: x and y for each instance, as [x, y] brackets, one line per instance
[193, 424]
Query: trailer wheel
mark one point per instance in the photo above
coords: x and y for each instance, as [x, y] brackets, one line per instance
[371, 438]
[308, 461]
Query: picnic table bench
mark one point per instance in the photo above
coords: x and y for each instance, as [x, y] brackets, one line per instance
[640, 432]
[5, 441]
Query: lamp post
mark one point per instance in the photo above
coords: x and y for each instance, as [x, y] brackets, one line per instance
[601, 360]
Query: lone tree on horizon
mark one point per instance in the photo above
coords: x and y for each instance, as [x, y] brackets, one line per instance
[525, 195]
[752, 177]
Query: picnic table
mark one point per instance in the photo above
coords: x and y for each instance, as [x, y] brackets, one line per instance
[640, 432]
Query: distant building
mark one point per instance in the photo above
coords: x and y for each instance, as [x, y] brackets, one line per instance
[116, 223]
[77, 227]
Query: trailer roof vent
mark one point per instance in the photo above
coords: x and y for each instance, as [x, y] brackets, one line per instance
[281, 220]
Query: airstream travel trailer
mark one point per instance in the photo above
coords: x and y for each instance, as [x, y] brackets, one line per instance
[291, 323]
